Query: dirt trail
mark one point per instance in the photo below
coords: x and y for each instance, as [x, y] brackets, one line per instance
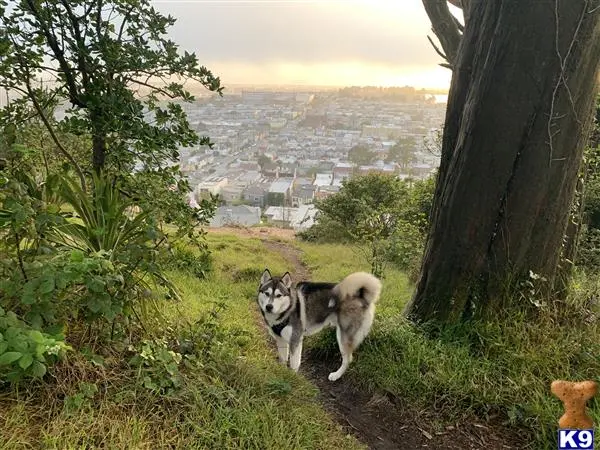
[379, 420]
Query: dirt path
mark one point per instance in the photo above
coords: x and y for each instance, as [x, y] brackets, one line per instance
[381, 421]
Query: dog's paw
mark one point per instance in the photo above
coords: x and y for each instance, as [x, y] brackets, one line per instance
[334, 376]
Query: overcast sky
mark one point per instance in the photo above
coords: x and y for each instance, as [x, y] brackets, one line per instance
[329, 42]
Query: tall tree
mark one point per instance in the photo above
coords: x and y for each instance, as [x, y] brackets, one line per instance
[361, 155]
[112, 61]
[403, 152]
[518, 118]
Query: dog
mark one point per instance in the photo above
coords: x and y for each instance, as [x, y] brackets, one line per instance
[294, 311]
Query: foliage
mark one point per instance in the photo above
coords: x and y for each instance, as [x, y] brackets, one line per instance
[385, 216]
[107, 64]
[114, 64]
[361, 155]
[158, 366]
[264, 160]
[184, 258]
[88, 198]
[69, 256]
[24, 351]
[403, 152]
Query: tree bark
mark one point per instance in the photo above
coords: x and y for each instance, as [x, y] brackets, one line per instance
[99, 152]
[517, 121]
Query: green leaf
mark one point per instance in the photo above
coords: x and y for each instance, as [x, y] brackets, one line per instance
[47, 284]
[9, 357]
[25, 361]
[38, 369]
[96, 285]
[37, 337]
[77, 256]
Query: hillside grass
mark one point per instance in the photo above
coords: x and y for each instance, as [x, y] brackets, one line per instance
[241, 397]
[499, 372]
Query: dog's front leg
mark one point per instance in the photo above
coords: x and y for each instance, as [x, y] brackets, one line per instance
[282, 350]
[295, 352]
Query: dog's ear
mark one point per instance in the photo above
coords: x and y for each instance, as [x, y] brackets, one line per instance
[286, 279]
[266, 276]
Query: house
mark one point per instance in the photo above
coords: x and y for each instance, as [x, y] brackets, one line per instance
[304, 218]
[299, 218]
[326, 191]
[211, 186]
[342, 170]
[280, 192]
[323, 179]
[242, 215]
[303, 194]
[280, 216]
[255, 194]
[377, 168]
[232, 193]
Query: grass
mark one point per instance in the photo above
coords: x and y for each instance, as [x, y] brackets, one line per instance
[239, 398]
[500, 371]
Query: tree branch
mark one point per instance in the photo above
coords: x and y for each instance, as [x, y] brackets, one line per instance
[58, 54]
[40, 110]
[445, 28]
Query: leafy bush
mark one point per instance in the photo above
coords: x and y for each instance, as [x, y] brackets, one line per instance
[158, 366]
[26, 352]
[186, 259]
[71, 255]
[84, 199]
[385, 216]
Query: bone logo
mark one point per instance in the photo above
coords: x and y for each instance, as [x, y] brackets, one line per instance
[576, 429]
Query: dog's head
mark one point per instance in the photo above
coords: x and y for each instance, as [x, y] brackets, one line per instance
[274, 293]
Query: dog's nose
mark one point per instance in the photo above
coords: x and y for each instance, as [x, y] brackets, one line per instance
[269, 308]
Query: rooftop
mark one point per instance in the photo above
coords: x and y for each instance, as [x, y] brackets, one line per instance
[281, 186]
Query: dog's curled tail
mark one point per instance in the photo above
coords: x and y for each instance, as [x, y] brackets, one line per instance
[360, 284]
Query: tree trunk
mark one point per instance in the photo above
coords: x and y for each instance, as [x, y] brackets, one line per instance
[518, 117]
[99, 152]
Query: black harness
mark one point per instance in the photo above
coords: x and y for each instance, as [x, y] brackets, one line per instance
[278, 327]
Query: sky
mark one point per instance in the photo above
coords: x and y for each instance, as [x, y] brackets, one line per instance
[310, 42]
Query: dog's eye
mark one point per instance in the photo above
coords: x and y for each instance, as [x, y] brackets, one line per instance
[278, 295]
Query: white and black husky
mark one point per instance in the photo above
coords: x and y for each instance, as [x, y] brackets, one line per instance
[293, 311]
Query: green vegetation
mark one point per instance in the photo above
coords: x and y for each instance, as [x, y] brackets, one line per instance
[361, 155]
[385, 217]
[91, 210]
[205, 377]
[499, 371]
[403, 152]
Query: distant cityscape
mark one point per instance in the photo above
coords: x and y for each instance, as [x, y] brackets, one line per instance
[276, 152]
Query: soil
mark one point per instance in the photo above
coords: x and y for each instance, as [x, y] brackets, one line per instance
[380, 420]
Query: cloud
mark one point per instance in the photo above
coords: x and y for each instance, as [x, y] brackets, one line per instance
[381, 32]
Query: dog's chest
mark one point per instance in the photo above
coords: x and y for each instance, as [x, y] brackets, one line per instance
[281, 331]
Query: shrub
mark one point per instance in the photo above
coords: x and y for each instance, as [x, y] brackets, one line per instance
[26, 352]
[385, 216]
